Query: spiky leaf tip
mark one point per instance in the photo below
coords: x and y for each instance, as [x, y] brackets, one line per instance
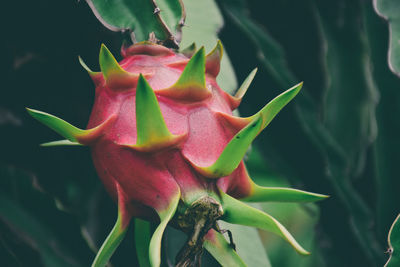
[114, 75]
[60, 126]
[117, 234]
[190, 50]
[155, 242]
[191, 85]
[193, 76]
[270, 110]
[152, 132]
[237, 212]
[213, 59]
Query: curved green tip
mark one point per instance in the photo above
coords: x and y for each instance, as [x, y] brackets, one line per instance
[213, 59]
[108, 64]
[245, 85]
[216, 53]
[116, 235]
[237, 212]
[83, 64]
[61, 143]
[281, 194]
[190, 50]
[60, 126]
[235, 150]
[270, 110]
[155, 242]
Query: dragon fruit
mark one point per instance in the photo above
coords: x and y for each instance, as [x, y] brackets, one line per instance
[168, 149]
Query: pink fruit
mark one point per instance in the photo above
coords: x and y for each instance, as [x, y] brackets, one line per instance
[166, 146]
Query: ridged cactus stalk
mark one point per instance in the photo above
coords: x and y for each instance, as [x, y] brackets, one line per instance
[168, 150]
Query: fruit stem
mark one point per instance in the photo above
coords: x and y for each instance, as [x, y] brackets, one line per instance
[197, 220]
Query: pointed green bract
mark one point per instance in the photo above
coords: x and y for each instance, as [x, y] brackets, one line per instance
[155, 242]
[218, 51]
[142, 241]
[213, 59]
[111, 243]
[118, 232]
[235, 150]
[269, 111]
[280, 194]
[191, 85]
[245, 85]
[61, 143]
[221, 250]
[151, 127]
[237, 212]
[109, 65]
[193, 76]
[190, 50]
[83, 64]
[60, 126]
[73, 134]
[394, 244]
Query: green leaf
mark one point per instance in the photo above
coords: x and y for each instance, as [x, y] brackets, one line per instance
[204, 21]
[394, 244]
[163, 17]
[350, 98]
[386, 147]
[142, 241]
[248, 244]
[326, 139]
[237, 212]
[31, 219]
[220, 249]
[29, 227]
[390, 10]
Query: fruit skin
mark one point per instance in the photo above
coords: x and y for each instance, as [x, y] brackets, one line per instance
[159, 172]
[163, 136]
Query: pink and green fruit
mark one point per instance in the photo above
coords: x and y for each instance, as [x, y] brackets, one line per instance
[168, 149]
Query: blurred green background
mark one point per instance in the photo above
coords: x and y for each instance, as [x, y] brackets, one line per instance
[338, 137]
